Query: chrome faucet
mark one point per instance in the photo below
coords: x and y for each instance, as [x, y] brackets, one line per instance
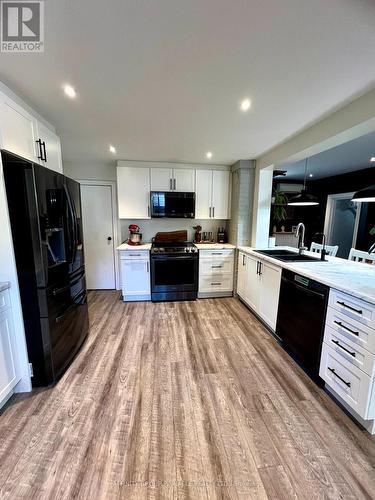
[301, 235]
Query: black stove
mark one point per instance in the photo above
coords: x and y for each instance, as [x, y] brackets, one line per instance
[174, 271]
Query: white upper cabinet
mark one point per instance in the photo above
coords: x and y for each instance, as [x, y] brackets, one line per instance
[50, 147]
[220, 194]
[212, 194]
[161, 179]
[18, 129]
[23, 134]
[184, 180]
[133, 191]
[203, 194]
[176, 179]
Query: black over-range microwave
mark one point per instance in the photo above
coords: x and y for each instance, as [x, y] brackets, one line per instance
[172, 204]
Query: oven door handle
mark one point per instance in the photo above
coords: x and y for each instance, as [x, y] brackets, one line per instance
[175, 257]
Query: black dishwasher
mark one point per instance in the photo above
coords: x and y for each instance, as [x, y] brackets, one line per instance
[301, 318]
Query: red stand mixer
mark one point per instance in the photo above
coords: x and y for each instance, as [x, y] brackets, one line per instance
[135, 237]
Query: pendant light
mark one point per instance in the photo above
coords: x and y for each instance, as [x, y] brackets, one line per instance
[304, 199]
[365, 195]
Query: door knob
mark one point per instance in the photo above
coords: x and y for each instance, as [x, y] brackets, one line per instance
[109, 238]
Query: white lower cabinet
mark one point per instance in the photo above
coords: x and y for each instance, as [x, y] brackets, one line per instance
[258, 285]
[216, 273]
[348, 354]
[135, 275]
[8, 375]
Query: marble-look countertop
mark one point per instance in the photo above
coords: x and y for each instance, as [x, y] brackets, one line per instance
[214, 246]
[133, 248]
[351, 277]
[4, 285]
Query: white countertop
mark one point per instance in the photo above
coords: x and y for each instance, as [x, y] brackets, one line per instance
[214, 246]
[132, 248]
[4, 285]
[351, 277]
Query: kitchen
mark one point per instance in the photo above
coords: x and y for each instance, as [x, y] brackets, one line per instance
[188, 293]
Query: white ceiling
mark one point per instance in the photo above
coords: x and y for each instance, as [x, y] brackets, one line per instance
[349, 157]
[162, 80]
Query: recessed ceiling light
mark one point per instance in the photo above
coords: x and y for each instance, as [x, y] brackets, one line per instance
[209, 155]
[245, 104]
[69, 91]
[372, 158]
[112, 149]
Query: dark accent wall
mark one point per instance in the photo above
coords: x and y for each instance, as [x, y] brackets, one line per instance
[313, 217]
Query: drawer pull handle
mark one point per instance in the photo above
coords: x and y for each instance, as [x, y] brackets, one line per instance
[216, 253]
[346, 328]
[135, 255]
[216, 267]
[215, 283]
[343, 348]
[338, 376]
[359, 311]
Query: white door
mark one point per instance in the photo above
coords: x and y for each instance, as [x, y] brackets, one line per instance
[220, 194]
[133, 192]
[184, 180]
[18, 130]
[7, 365]
[203, 194]
[241, 275]
[98, 231]
[252, 291]
[270, 279]
[136, 277]
[161, 179]
[53, 148]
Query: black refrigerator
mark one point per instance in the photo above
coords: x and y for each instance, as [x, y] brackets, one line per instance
[45, 215]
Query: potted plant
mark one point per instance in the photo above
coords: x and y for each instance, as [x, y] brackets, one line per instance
[280, 201]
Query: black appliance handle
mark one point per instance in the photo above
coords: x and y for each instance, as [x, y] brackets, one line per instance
[359, 311]
[338, 376]
[343, 348]
[59, 291]
[192, 256]
[346, 328]
[308, 291]
[62, 316]
[71, 212]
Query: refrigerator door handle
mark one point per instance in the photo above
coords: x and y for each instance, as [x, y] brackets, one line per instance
[74, 225]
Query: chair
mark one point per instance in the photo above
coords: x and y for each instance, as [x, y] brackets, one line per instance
[362, 257]
[331, 250]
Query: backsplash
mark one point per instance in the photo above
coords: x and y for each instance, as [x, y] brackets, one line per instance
[149, 227]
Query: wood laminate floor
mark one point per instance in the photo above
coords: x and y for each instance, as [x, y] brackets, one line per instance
[181, 400]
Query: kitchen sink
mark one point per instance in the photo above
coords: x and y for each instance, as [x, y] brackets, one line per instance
[288, 256]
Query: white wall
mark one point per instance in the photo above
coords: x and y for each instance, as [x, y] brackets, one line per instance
[91, 171]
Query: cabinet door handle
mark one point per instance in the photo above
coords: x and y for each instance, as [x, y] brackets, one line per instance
[44, 149]
[210, 211]
[148, 211]
[338, 376]
[359, 311]
[343, 348]
[148, 268]
[243, 259]
[40, 155]
[174, 184]
[216, 283]
[213, 212]
[170, 184]
[346, 328]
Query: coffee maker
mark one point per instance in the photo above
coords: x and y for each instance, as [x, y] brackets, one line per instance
[135, 237]
[222, 235]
